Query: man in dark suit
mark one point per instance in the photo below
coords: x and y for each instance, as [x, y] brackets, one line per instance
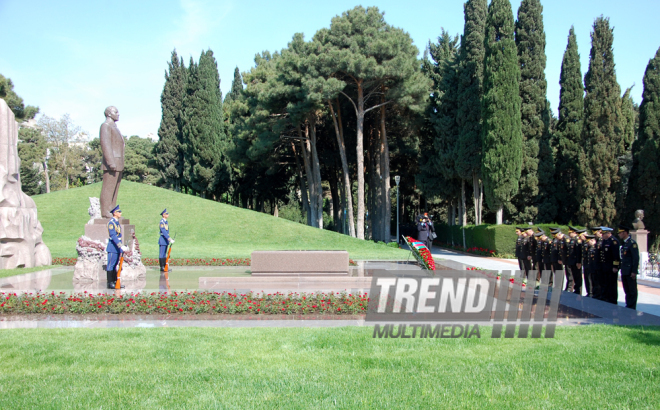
[424, 232]
[112, 145]
[629, 266]
[611, 260]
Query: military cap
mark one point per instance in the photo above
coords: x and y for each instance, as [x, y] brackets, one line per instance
[539, 233]
[606, 229]
[623, 228]
[554, 230]
[572, 229]
[538, 229]
[596, 229]
[590, 236]
[520, 229]
[115, 209]
[580, 231]
[164, 212]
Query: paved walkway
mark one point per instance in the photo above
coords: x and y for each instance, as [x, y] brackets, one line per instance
[648, 299]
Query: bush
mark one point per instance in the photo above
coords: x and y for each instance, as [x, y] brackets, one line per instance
[500, 238]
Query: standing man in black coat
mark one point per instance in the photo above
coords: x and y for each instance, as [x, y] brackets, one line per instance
[519, 247]
[611, 259]
[424, 232]
[629, 266]
[558, 252]
[574, 260]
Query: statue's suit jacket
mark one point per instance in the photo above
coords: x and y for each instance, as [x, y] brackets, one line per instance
[112, 145]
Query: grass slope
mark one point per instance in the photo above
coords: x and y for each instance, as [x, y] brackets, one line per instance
[204, 228]
[586, 367]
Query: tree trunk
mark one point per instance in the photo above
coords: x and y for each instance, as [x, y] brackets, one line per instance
[334, 203]
[500, 214]
[316, 169]
[46, 177]
[376, 185]
[301, 178]
[348, 203]
[360, 161]
[311, 216]
[386, 212]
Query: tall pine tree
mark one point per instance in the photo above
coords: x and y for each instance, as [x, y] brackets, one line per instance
[470, 92]
[569, 129]
[501, 132]
[169, 155]
[644, 191]
[203, 131]
[601, 132]
[530, 40]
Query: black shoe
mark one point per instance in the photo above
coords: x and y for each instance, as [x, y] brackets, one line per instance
[111, 285]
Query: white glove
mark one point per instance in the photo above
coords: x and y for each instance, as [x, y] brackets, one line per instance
[124, 248]
[171, 240]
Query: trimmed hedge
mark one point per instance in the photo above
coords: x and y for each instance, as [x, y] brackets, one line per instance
[500, 238]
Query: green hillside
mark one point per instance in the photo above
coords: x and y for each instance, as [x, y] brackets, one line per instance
[204, 228]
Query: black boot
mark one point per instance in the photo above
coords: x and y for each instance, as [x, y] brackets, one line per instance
[161, 262]
[109, 277]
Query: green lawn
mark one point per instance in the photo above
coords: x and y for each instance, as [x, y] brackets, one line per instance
[205, 229]
[187, 368]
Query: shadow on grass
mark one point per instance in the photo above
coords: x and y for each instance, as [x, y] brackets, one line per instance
[648, 335]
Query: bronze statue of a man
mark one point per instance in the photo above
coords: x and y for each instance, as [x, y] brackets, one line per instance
[112, 145]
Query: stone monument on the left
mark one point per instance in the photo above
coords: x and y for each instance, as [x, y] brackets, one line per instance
[21, 244]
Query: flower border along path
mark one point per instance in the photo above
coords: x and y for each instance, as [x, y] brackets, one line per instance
[184, 303]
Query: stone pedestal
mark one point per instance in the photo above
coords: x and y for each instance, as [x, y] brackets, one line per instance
[98, 231]
[641, 237]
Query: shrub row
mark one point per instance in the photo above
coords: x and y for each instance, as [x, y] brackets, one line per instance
[498, 238]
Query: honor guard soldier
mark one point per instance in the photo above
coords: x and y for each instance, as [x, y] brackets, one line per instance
[611, 259]
[574, 260]
[114, 248]
[629, 266]
[164, 240]
[519, 247]
[543, 257]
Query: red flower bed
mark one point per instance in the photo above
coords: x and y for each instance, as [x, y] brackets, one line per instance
[183, 262]
[185, 303]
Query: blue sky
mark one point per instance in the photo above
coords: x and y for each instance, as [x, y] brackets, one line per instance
[78, 57]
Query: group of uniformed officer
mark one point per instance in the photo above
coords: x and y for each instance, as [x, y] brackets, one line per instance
[116, 247]
[597, 258]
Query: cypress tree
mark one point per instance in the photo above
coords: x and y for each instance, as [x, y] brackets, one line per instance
[168, 153]
[601, 132]
[629, 127]
[530, 40]
[236, 86]
[644, 192]
[501, 132]
[470, 92]
[547, 199]
[203, 130]
[569, 129]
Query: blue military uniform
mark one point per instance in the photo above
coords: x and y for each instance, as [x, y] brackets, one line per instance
[163, 241]
[113, 248]
[629, 268]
